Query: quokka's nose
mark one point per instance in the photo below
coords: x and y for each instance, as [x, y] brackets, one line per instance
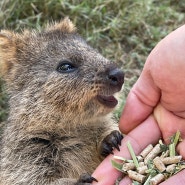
[116, 77]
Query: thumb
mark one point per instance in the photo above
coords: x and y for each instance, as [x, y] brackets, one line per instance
[141, 100]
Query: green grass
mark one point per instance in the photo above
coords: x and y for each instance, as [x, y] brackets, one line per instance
[123, 30]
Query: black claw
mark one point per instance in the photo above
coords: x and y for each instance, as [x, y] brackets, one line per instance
[107, 149]
[117, 147]
[113, 140]
[105, 153]
[93, 179]
[120, 138]
[115, 144]
[85, 178]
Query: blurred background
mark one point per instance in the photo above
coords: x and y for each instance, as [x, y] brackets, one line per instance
[124, 31]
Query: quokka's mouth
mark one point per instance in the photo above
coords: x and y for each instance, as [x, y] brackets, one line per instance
[108, 101]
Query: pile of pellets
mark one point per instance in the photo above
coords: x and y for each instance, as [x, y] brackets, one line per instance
[153, 165]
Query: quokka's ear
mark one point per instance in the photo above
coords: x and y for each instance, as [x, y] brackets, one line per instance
[64, 25]
[7, 51]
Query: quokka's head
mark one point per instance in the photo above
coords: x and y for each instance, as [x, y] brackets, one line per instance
[56, 67]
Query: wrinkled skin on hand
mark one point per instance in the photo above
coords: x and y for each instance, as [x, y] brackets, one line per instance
[155, 106]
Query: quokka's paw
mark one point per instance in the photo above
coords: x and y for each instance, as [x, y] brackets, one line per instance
[85, 179]
[111, 141]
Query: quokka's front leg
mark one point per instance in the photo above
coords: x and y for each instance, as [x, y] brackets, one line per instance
[111, 141]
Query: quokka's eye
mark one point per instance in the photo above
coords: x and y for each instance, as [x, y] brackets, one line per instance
[66, 67]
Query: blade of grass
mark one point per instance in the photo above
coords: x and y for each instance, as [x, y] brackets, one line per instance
[117, 165]
[172, 149]
[136, 163]
[177, 138]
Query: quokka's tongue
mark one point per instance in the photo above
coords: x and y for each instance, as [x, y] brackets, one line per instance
[109, 101]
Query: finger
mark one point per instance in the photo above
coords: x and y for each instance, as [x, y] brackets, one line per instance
[179, 178]
[146, 133]
[140, 102]
[180, 149]
[169, 123]
[125, 181]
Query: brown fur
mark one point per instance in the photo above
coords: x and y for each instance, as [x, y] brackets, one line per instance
[55, 122]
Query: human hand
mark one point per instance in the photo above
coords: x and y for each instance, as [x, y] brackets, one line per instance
[155, 106]
[105, 173]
